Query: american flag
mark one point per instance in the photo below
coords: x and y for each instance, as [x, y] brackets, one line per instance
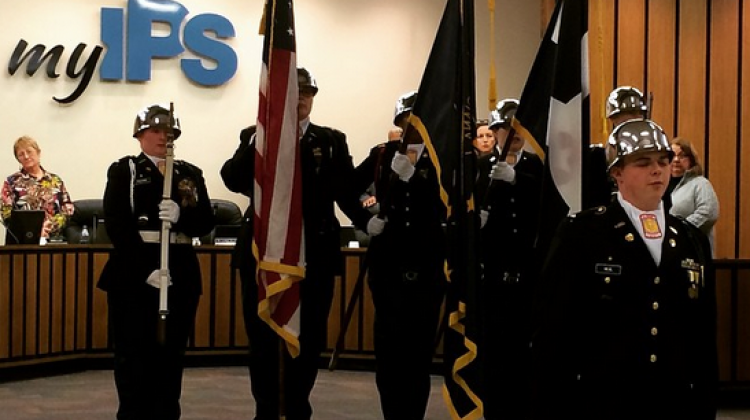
[279, 245]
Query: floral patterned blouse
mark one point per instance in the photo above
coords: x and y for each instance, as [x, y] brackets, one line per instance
[22, 191]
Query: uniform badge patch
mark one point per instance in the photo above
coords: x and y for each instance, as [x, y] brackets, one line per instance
[188, 192]
[651, 229]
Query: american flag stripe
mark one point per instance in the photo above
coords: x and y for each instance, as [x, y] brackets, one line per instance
[279, 245]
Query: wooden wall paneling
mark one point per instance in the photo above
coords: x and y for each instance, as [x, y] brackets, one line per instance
[31, 308]
[17, 311]
[724, 291]
[722, 119]
[743, 221]
[58, 299]
[83, 283]
[547, 7]
[222, 300]
[368, 320]
[691, 74]
[44, 288]
[601, 59]
[631, 44]
[338, 307]
[661, 61]
[99, 321]
[5, 282]
[71, 282]
[240, 335]
[742, 348]
[202, 332]
[354, 332]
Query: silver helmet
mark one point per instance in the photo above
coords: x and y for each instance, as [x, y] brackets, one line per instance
[503, 113]
[626, 99]
[156, 116]
[306, 81]
[636, 136]
[404, 104]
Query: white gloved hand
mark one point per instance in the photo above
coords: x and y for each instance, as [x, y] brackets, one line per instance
[169, 211]
[402, 166]
[375, 226]
[154, 279]
[483, 216]
[503, 172]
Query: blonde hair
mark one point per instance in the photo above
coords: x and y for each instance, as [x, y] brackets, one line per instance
[23, 142]
[686, 148]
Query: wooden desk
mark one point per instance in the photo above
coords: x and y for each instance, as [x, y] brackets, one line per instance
[51, 310]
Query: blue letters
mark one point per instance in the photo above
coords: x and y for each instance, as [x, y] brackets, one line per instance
[222, 54]
[142, 46]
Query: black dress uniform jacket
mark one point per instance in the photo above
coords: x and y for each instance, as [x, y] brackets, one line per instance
[619, 337]
[131, 204]
[509, 276]
[148, 375]
[327, 178]
[406, 278]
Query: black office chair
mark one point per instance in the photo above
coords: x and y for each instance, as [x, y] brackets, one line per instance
[228, 218]
[89, 213]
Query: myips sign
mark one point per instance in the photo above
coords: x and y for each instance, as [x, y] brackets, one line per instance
[131, 46]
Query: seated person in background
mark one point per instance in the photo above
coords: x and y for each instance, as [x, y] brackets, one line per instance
[693, 196]
[484, 142]
[33, 188]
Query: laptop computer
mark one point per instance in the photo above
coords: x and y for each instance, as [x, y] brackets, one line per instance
[24, 227]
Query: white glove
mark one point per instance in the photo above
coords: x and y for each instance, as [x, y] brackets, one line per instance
[375, 226]
[503, 172]
[483, 216]
[154, 279]
[169, 211]
[402, 166]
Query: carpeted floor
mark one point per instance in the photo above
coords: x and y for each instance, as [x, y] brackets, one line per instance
[212, 394]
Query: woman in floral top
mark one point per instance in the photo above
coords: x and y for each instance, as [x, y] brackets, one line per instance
[33, 188]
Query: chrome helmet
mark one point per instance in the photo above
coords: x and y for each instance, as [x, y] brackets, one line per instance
[626, 99]
[156, 116]
[404, 104]
[306, 81]
[636, 136]
[503, 113]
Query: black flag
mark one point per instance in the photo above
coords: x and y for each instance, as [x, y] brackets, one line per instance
[553, 115]
[444, 118]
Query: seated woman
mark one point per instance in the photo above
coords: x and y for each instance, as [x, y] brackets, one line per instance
[693, 196]
[33, 188]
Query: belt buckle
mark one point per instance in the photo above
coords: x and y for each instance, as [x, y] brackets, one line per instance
[512, 278]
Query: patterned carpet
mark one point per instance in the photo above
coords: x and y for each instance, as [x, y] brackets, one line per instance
[208, 394]
[214, 394]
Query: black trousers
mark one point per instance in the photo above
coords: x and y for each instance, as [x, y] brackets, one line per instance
[148, 375]
[505, 353]
[407, 312]
[316, 295]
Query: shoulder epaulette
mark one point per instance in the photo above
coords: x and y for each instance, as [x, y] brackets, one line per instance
[593, 211]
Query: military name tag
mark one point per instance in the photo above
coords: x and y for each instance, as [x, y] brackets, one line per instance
[608, 269]
[143, 181]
